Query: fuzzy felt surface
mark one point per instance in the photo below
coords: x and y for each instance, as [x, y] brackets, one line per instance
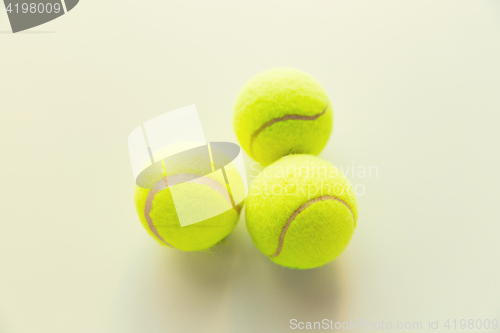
[320, 231]
[195, 237]
[199, 197]
[295, 108]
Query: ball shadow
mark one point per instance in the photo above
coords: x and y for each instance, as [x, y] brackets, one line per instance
[275, 295]
[231, 287]
[181, 291]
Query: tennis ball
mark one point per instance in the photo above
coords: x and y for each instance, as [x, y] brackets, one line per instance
[282, 111]
[301, 212]
[198, 190]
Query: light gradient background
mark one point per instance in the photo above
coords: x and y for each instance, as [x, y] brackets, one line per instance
[415, 87]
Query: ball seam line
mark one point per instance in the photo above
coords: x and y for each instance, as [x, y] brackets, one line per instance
[300, 210]
[171, 181]
[284, 118]
[147, 209]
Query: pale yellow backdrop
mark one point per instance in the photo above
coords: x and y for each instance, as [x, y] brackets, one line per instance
[415, 87]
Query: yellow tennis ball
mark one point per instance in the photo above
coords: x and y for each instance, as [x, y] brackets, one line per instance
[282, 111]
[301, 212]
[187, 187]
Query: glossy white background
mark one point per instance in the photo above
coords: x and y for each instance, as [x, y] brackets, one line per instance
[415, 87]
